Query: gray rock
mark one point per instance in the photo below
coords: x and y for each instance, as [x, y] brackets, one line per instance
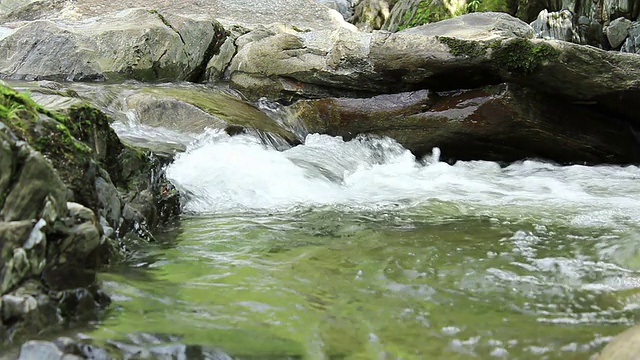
[40, 350]
[83, 237]
[556, 26]
[344, 7]
[344, 63]
[135, 43]
[109, 198]
[17, 306]
[8, 6]
[302, 14]
[618, 31]
[632, 44]
[477, 26]
[217, 66]
[36, 181]
[464, 52]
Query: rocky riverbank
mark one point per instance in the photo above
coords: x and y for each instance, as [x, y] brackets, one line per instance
[73, 196]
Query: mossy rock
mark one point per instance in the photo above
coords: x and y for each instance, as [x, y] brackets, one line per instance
[521, 56]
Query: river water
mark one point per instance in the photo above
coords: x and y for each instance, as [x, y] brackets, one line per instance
[358, 250]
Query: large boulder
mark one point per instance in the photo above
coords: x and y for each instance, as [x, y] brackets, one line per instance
[303, 14]
[131, 44]
[498, 123]
[464, 52]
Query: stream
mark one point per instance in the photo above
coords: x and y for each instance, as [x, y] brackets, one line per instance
[358, 250]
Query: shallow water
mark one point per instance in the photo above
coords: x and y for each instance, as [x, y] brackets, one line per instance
[358, 250]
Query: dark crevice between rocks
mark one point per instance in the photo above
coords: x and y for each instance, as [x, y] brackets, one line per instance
[218, 38]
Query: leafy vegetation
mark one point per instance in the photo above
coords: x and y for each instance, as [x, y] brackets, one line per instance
[428, 11]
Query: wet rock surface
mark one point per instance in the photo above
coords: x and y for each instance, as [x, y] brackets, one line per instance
[502, 123]
[138, 347]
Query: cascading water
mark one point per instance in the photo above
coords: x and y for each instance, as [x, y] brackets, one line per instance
[356, 249]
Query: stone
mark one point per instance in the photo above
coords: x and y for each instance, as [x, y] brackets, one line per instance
[17, 306]
[499, 123]
[302, 14]
[135, 43]
[464, 52]
[556, 26]
[36, 181]
[618, 31]
[632, 44]
[109, 199]
[344, 7]
[40, 350]
[625, 346]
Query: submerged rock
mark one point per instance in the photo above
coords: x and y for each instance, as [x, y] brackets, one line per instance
[70, 349]
[500, 123]
[625, 346]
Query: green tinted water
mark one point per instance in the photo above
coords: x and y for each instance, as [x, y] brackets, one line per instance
[430, 283]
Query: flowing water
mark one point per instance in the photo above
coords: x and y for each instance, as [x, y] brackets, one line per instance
[357, 250]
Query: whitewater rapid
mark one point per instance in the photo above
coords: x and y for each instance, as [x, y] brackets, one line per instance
[220, 173]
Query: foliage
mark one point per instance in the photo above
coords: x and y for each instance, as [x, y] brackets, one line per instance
[429, 11]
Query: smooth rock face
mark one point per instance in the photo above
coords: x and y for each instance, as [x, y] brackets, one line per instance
[501, 123]
[136, 43]
[618, 31]
[625, 346]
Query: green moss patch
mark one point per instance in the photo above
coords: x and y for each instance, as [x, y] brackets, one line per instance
[521, 55]
[460, 47]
